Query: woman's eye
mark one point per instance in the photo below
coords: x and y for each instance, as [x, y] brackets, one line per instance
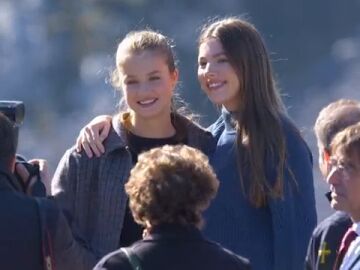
[223, 60]
[154, 78]
[202, 64]
[130, 82]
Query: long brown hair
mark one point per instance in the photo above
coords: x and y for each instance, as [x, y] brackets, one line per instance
[258, 123]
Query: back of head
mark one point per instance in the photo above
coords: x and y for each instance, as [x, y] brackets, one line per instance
[334, 118]
[7, 142]
[171, 185]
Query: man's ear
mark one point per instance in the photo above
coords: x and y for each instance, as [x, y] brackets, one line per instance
[175, 77]
[326, 155]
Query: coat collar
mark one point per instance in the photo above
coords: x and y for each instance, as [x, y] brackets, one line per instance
[174, 231]
[197, 136]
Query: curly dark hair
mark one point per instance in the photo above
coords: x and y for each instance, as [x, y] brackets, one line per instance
[171, 184]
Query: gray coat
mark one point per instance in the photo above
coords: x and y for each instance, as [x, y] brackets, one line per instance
[91, 190]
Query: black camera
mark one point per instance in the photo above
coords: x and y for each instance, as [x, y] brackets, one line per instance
[15, 112]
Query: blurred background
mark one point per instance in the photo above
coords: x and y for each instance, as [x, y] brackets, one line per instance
[56, 57]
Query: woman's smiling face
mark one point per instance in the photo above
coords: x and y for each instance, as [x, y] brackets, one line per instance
[147, 83]
[216, 75]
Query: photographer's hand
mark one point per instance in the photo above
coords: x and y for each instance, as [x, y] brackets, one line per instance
[91, 136]
[44, 174]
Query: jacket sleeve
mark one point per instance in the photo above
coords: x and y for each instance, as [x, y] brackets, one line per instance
[294, 215]
[69, 253]
[72, 251]
[63, 184]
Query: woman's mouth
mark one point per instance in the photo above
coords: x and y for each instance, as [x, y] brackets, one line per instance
[147, 102]
[215, 85]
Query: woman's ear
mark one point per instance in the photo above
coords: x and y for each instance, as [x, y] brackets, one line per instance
[175, 77]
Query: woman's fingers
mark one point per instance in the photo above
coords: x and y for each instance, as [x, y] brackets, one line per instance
[91, 142]
[79, 140]
[91, 137]
[96, 143]
[104, 132]
[87, 149]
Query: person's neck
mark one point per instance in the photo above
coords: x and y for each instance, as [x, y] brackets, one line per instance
[355, 217]
[161, 127]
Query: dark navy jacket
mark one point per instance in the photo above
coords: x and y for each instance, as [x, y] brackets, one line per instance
[20, 245]
[325, 241]
[177, 248]
[20, 240]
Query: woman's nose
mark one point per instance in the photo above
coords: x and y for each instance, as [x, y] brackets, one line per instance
[210, 70]
[144, 87]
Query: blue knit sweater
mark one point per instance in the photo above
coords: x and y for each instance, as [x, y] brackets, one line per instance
[272, 237]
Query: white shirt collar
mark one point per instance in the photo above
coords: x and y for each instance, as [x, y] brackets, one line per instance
[356, 227]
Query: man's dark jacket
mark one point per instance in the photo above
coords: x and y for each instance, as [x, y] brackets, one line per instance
[20, 244]
[20, 240]
[325, 241]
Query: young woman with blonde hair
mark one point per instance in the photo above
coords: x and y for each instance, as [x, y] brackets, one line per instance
[91, 191]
